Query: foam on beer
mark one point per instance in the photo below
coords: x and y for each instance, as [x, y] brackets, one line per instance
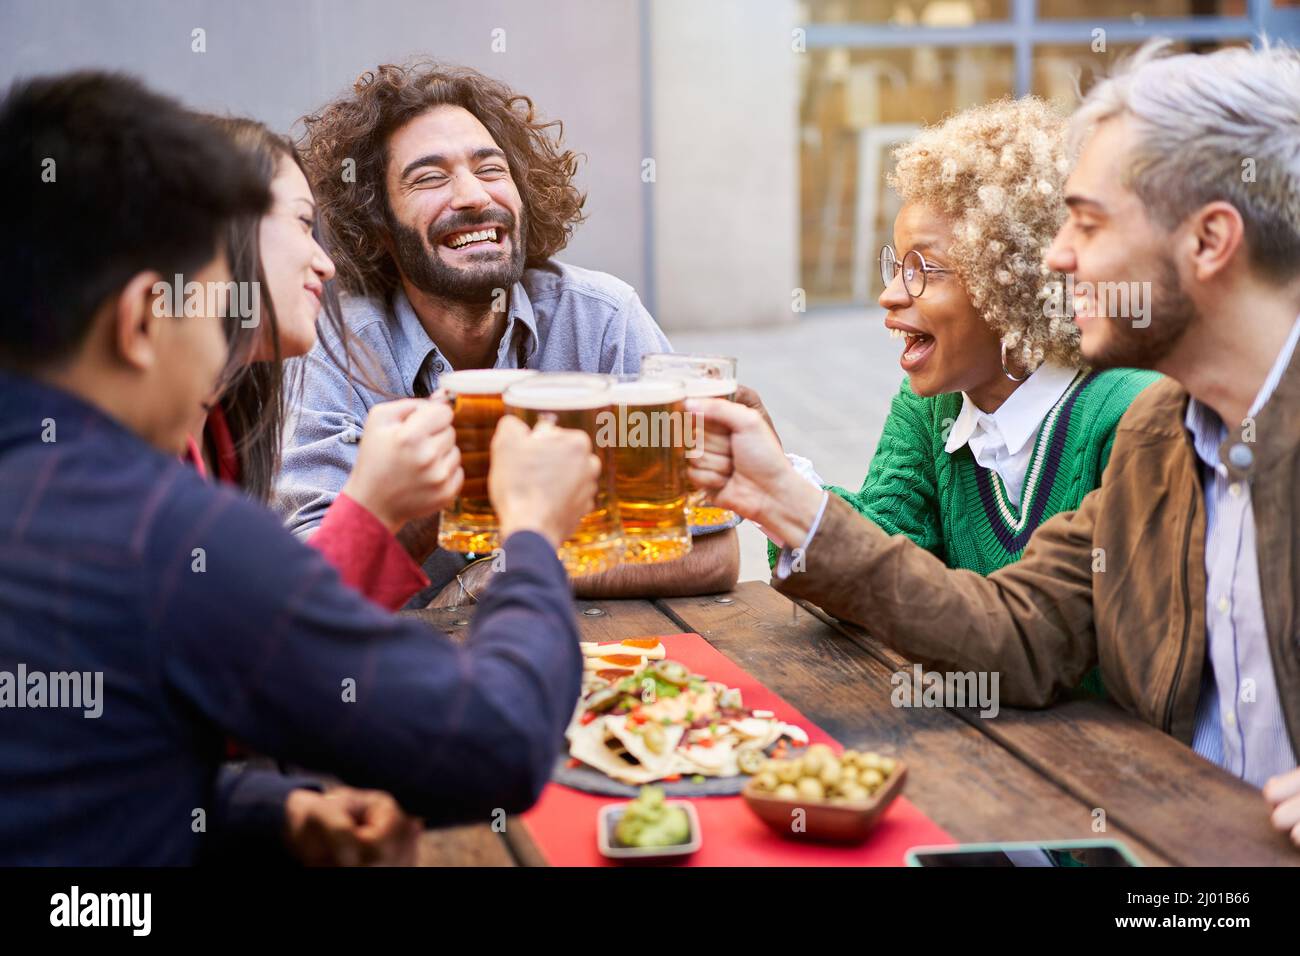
[482, 381]
[648, 392]
[561, 393]
[710, 387]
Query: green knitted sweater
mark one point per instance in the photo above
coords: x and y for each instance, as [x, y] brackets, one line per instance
[959, 511]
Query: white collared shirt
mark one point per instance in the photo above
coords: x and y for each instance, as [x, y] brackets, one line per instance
[1003, 441]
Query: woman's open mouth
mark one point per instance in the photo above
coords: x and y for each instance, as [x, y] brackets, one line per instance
[916, 351]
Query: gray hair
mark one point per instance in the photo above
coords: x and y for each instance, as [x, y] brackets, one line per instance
[1219, 126]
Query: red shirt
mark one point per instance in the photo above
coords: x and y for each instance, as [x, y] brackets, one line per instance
[365, 553]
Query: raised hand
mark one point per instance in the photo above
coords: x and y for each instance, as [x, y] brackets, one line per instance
[542, 479]
[743, 468]
[408, 466]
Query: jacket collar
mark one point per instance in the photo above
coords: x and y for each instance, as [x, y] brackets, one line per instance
[1161, 411]
[1272, 426]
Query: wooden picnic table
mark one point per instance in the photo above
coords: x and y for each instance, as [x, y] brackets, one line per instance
[1022, 775]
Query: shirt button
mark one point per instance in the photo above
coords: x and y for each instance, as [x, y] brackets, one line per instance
[1229, 719]
[1223, 604]
[1239, 456]
[1234, 489]
[440, 366]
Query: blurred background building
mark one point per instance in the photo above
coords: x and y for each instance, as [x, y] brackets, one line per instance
[877, 69]
[735, 149]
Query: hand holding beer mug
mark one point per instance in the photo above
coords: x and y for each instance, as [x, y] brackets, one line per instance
[650, 430]
[744, 468]
[705, 376]
[576, 401]
[469, 525]
[408, 466]
[542, 479]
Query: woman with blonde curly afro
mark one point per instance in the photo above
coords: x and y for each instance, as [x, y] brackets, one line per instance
[997, 425]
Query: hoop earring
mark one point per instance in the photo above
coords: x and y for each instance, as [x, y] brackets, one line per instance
[1005, 370]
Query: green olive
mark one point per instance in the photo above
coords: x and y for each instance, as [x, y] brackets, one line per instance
[888, 765]
[869, 761]
[604, 699]
[672, 672]
[871, 779]
[831, 773]
[810, 788]
[787, 791]
[856, 794]
[750, 761]
[766, 781]
[813, 761]
[655, 739]
[790, 771]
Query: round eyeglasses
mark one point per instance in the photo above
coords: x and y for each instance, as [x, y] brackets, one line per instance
[914, 268]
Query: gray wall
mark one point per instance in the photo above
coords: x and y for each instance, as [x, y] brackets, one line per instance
[725, 139]
[580, 61]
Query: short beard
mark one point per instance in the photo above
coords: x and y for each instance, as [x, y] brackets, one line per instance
[1172, 313]
[420, 264]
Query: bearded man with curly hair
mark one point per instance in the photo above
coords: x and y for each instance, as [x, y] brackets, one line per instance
[446, 199]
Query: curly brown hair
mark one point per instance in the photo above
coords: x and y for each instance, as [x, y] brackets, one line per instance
[357, 127]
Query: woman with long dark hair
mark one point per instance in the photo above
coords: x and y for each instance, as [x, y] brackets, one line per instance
[408, 466]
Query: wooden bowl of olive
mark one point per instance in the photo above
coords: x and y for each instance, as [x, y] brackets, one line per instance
[823, 797]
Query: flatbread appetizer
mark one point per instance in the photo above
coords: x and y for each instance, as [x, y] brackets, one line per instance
[643, 718]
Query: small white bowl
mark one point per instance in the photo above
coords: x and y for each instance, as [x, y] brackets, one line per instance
[608, 816]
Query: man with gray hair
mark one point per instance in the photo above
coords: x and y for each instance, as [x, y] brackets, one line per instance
[1180, 575]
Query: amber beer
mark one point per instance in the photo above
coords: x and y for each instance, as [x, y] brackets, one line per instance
[470, 524]
[705, 376]
[649, 429]
[576, 401]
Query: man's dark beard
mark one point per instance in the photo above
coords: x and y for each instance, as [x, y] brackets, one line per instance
[423, 267]
[1171, 312]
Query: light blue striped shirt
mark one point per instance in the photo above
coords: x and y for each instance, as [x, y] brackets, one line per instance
[1239, 722]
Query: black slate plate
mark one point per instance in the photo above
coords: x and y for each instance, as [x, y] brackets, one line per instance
[586, 779]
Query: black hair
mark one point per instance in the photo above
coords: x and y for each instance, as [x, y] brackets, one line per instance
[107, 179]
[256, 396]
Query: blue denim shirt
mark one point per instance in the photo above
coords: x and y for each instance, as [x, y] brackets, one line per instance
[560, 318]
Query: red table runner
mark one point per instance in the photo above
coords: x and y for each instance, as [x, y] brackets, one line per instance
[563, 823]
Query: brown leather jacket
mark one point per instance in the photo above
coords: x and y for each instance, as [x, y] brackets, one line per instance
[1121, 581]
